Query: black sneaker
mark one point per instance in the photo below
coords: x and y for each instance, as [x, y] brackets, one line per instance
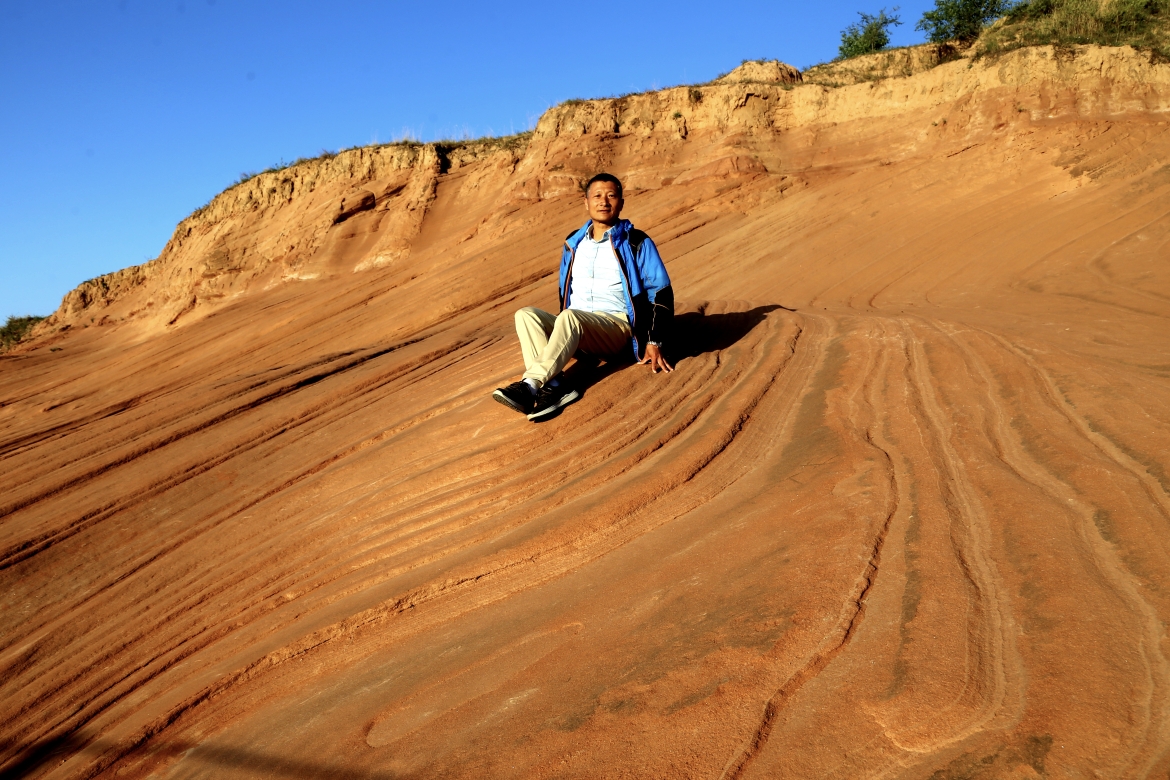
[518, 396]
[550, 400]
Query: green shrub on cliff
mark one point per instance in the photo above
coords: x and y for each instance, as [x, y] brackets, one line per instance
[1143, 24]
[16, 329]
[869, 35]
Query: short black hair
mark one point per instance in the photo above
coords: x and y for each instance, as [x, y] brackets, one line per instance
[608, 177]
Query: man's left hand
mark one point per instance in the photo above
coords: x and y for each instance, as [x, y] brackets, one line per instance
[655, 360]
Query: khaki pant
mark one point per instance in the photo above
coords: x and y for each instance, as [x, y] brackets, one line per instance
[549, 341]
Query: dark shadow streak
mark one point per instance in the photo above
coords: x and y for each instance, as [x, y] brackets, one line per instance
[696, 332]
[36, 756]
[30, 758]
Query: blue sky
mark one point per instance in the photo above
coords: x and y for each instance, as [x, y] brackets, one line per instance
[120, 117]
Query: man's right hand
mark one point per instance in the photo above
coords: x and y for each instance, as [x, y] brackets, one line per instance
[655, 360]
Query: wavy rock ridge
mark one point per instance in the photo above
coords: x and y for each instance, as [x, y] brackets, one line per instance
[901, 511]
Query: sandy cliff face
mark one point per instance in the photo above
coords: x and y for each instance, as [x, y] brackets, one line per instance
[901, 510]
[264, 232]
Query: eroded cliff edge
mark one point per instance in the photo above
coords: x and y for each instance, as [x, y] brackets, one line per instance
[364, 209]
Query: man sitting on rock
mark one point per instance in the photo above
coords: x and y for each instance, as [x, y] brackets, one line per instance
[615, 295]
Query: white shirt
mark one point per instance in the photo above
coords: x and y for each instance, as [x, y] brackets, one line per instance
[597, 278]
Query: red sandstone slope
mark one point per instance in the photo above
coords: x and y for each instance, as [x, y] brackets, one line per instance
[266, 522]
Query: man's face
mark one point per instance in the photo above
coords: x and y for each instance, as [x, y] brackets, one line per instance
[603, 203]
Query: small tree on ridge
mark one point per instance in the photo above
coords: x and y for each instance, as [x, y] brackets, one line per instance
[868, 35]
[960, 20]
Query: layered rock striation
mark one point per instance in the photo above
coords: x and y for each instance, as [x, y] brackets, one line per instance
[900, 511]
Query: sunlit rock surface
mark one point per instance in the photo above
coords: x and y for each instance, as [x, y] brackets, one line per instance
[901, 511]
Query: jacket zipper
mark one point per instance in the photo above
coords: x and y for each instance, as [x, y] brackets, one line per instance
[626, 279]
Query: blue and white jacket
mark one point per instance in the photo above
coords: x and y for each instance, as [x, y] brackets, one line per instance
[649, 296]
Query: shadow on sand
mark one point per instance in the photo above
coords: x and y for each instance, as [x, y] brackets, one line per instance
[694, 333]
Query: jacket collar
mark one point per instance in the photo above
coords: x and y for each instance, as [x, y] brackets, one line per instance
[617, 232]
